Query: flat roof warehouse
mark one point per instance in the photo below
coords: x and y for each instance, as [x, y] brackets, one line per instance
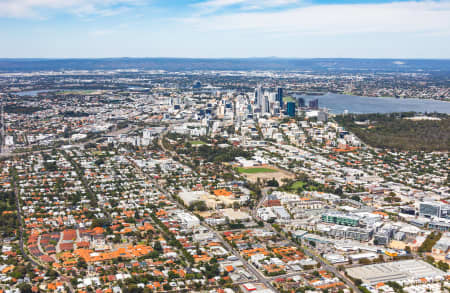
[406, 271]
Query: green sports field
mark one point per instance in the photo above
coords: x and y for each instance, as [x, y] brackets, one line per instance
[197, 142]
[252, 170]
[297, 185]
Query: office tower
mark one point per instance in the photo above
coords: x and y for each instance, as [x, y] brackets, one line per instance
[301, 102]
[266, 105]
[259, 97]
[279, 97]
[314, 104]
[290, 109]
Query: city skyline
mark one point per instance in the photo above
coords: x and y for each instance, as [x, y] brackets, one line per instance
[225, 29]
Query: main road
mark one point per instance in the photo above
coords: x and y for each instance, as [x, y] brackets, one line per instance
[312, 255]
[261, 278]
[111, 133]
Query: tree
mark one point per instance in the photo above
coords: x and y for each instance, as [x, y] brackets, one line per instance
[173, 275]
[356, 198]
[157, 246]
[443, 266]
[81, 263]
[25, 288]
[431, 240]
[365, 261]
[52, 274]
[408, 249]
[396, 286]
[273, 183]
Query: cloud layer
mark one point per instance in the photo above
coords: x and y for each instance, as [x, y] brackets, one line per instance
[211, 6]
[226, 28]
[397, 17]
[40, 8]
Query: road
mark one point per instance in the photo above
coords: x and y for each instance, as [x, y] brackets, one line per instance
[261, 278]
[25, 255]
[19, 218]
[248, 266]
[265, 195]
[311, 254]
[111, 133]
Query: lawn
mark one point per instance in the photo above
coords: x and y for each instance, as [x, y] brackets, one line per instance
[252, 170]
[297, 185]
[197, 142]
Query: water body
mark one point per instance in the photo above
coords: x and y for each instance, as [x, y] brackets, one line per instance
[35, 92]
[338, 103]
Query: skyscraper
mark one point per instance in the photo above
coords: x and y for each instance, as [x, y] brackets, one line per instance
[290, 109]
[259, 98]
[266, 104]
[314, 104]
[280, 96]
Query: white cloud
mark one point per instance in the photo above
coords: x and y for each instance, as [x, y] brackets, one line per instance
[40, 8]
[401, 17]
[215, 5]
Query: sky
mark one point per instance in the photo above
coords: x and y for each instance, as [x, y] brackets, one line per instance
[225, 28]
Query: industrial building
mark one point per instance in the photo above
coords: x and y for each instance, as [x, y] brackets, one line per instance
[405, 271]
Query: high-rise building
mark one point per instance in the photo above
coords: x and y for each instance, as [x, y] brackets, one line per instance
[290, 109]
[279, 97]
[265, 105]
[259, 97]
[301, 102]
[314, 104]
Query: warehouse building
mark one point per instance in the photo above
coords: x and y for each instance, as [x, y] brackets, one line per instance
[403, 272]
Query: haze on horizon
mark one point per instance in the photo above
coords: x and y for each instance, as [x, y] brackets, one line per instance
[225, 28]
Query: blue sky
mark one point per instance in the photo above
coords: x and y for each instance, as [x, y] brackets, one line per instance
[225, 28]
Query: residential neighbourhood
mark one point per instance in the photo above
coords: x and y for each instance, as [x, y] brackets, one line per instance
[181, 183]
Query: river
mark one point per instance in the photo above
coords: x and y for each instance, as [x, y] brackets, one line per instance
[337, 104]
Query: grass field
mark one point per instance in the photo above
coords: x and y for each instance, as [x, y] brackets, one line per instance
[197, 142]
[252, 170]
[297, 185]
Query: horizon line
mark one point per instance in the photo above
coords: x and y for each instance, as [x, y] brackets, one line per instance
[218, 58]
